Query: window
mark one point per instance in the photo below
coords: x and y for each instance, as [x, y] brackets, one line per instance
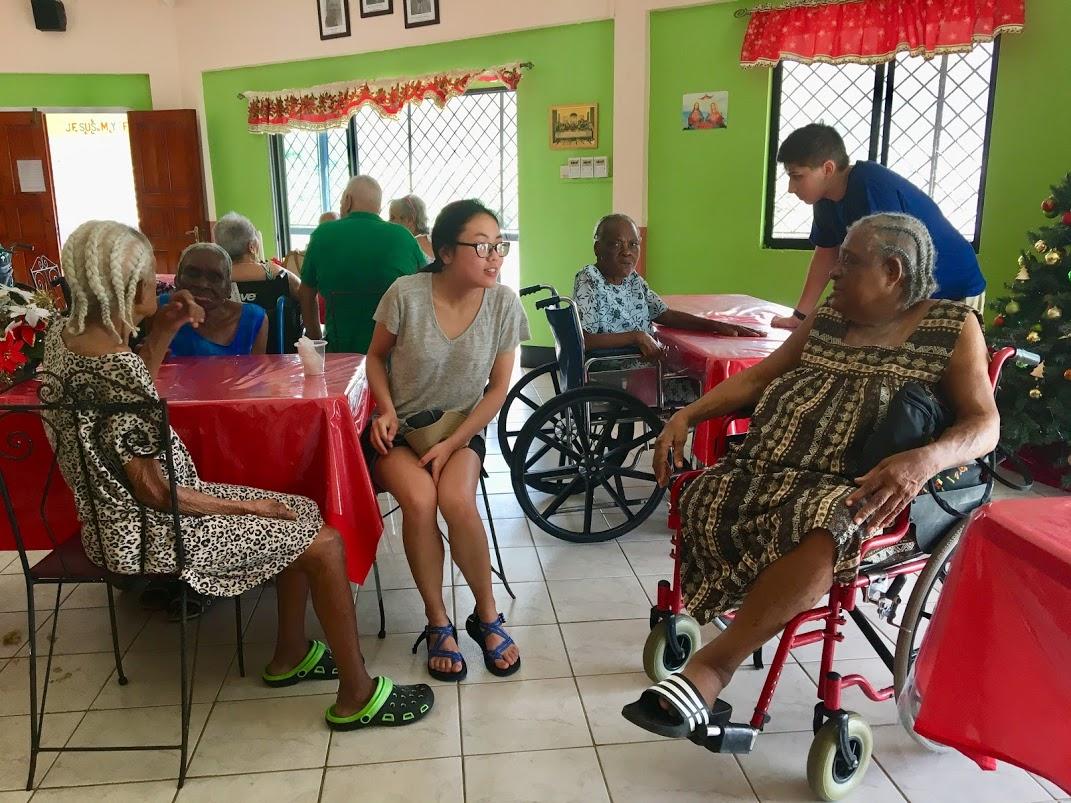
[468, 149]
[926, 120]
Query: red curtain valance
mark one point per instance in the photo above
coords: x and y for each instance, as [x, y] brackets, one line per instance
[874, 31]
[331, 105]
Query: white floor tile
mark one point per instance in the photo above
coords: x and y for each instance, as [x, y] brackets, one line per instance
[15, 747]
[603, 648]
[524, 715]
[531, 607]
[404, 609]
[73, 684]
[674, 770]
[562, 776]
[583, 562]
[521, 565]
[603, 697]
[148, 792]
[296, 786]
[649, 557]
[598, 599]
[436, 780]
[793, 703]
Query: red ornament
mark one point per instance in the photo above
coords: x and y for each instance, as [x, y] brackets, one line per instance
[1067, 218]
[998, 321]
[1067, 374]
[1048, 205]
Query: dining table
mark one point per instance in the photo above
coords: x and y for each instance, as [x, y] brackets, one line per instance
[256, 421]
[711, 359]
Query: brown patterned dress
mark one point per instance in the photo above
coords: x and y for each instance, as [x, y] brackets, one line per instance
[794, 470]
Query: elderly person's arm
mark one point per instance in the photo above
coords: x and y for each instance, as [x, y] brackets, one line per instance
[176, 313]
[151, 489]
[739, 392]
[310, 311]
[677, 319]
[891, 485]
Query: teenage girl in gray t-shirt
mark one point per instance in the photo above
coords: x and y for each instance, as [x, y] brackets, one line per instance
[446, 339]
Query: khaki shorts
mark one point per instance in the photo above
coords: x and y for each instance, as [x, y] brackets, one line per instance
[976, 303]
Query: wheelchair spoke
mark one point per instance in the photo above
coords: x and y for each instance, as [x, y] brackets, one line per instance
[563, 473]
[634, 474]
[625, 448]
[559, 500]
[589, 504]
[537, 456]
[619, 501]
[526, 400]
[563, 448]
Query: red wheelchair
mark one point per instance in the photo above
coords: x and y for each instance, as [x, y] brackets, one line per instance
[927, 533]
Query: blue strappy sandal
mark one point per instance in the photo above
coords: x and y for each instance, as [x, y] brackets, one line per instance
[480, 631]
[436, 651]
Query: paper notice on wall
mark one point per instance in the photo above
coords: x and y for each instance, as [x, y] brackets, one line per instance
[31, 175]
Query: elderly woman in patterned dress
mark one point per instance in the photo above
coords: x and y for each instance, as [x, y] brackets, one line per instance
[768, 529]
[234, 538]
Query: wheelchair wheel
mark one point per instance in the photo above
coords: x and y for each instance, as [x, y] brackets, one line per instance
[524, 393]
[584, 453]
[658, 662]
[829, 775]
[920, 607]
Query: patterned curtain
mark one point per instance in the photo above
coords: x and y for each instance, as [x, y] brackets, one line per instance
[874, 31]
[331, 105]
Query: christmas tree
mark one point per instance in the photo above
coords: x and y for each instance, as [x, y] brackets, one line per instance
[1035, 404]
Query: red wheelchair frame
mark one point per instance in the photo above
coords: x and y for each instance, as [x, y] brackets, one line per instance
[842, 598]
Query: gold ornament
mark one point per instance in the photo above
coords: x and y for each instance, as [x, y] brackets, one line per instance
[1022, 261]
[1040, 247]
[1035, 393]
[1053, 313]
[1067, 374]
[1023, 275]
[1033, 337]
[1053, 257]
[1012, 308]
[1039, 372]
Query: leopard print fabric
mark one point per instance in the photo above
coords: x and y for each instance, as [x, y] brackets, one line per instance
[224, 555]
[792, 473]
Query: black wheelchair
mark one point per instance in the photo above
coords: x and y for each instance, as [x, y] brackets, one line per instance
[580, 463]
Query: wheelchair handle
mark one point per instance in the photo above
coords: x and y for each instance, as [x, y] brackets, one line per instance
[535, 288]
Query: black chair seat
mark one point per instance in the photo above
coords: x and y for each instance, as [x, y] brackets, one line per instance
[69, 563]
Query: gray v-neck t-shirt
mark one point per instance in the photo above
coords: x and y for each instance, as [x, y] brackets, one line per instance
[428, 371]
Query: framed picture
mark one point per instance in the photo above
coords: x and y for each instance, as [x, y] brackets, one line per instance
[574, 126]
[376, 8]
[421, 12]
[705, 110]
[334, 18]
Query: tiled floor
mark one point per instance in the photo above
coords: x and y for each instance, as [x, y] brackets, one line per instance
[553, 732]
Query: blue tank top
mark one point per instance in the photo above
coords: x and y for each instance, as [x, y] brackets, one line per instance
[189, 343]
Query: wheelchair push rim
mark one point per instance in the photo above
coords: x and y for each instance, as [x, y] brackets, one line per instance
[593, 445]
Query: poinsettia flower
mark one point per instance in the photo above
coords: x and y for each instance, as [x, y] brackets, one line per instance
[29, 313]
[26, 333]
[11, 355]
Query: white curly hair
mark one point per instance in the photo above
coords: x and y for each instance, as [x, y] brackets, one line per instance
[103, 262]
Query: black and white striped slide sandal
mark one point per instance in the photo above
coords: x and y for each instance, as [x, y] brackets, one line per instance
[688, 711]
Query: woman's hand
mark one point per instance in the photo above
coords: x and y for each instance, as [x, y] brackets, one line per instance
[788, 322]
[384, 428]
[435, 458]
[650, 348]
[181, 309]
[673, 436]
[734, 330]
[889, 487]
[271, 509]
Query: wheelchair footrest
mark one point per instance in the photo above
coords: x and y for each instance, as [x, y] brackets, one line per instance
[723, 736]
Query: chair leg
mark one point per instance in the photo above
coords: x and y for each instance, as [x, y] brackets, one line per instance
[501, 572]
[238, 634]
[115, 635]
[756, 658]
[184, 685]
[35, 731]
[379, 599]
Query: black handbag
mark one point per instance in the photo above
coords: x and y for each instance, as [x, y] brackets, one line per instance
[915, 418]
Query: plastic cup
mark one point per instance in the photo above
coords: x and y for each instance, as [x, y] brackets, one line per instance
[314, 365]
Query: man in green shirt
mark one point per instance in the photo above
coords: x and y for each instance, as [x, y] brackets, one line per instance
[351, 262]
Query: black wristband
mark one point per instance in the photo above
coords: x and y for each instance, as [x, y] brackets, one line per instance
[797, 314]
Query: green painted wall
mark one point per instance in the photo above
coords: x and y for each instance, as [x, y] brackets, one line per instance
[556, 215]
[705, 197]
[24, 90]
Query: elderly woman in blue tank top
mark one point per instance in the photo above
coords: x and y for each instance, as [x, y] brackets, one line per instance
[230, 328]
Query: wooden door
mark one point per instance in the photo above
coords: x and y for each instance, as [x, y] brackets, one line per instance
[165, 147]
[26, 216]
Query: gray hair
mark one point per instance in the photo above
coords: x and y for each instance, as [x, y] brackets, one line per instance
[365, 195]
[412, 207]
[234, 233]
[612, 218]
[103, 262]
[224, 258]
[897, 235]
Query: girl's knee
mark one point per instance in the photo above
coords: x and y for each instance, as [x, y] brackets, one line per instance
[458, 506]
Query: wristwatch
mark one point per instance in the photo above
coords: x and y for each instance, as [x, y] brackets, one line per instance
[797, 314]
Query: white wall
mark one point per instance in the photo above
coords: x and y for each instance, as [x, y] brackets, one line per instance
[174, 41]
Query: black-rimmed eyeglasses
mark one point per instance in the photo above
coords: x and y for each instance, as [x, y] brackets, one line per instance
[483, 250]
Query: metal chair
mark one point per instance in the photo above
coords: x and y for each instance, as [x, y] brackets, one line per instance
[31, 442]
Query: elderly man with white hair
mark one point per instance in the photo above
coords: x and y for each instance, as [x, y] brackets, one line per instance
[351, 262]
[237, 235]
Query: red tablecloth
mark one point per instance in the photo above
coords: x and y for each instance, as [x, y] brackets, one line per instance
[993, 668]
[253, 421]
[712, 359]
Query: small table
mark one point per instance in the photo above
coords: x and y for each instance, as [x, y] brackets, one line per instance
[712, 359]
[993, 667]
[255, 421]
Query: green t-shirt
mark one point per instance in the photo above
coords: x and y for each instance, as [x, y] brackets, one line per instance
[352, 262]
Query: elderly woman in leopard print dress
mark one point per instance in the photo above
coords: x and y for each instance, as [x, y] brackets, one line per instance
[234, 538]
[768, 528]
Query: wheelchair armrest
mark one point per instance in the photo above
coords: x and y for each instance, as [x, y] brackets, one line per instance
[605, 354]
[891, 536]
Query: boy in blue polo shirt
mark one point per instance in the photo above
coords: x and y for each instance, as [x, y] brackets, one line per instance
[841, 193]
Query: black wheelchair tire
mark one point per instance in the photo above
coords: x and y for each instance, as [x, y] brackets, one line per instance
[516, 393]
[635, 410]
